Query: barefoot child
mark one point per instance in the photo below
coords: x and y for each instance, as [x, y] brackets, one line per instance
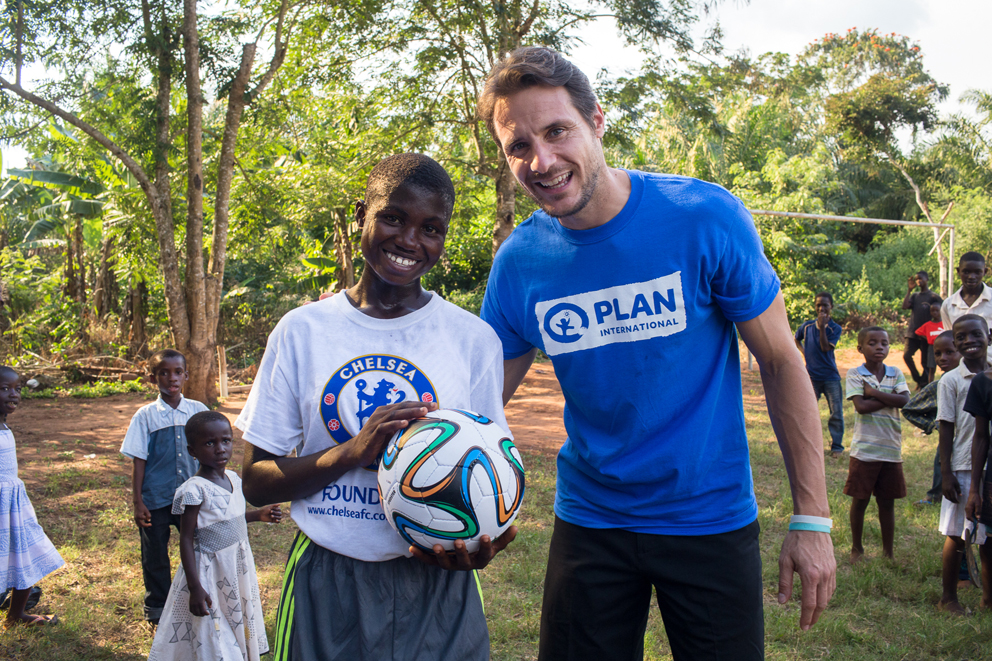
[156, 443]
[878, 391]
[957, 428]
[337, 380]
[216, 581]
[28, 555]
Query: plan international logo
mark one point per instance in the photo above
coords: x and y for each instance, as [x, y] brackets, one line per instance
[627, 313]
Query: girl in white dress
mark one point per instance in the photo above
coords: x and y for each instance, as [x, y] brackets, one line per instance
[213, 612]
[30, 555]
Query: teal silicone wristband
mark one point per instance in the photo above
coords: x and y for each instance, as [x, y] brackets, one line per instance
[814, 527]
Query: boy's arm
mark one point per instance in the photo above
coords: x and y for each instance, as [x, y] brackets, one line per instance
[269, 478]
[796, 421]
[824, 341]
[142, 516]
[863, 406]
[514, 371]
[896, 400]
[945, 317]
[952, 490]
[979, 454]
[907, 303]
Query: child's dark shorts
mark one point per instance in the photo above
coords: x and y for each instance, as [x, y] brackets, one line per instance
[883, 479]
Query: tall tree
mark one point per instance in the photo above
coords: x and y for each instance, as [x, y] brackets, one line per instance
[447, 48]
[61, 37]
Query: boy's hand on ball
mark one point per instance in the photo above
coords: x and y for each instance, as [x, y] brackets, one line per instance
[383, 423]
[460, 559]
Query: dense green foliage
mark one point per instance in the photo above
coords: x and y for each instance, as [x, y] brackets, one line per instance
[847, 127]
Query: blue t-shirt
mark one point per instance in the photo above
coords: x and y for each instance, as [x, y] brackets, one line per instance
[821, 365]
[637, 317]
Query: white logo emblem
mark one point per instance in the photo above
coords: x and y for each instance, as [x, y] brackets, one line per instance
[626, 313]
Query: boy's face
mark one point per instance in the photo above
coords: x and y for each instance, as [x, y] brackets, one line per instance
[403, 233]
[935, 312]
[971, 339]
[213, 444]
[875, 346]
[972, 274]
[10, 393]
[823, 305]
[946, 354]
[170, 376]
[922, 280]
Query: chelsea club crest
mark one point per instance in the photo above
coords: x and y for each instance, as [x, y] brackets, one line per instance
[364, 384]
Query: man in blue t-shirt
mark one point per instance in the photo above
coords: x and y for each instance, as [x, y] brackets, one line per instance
[633, 284]
[816, 339]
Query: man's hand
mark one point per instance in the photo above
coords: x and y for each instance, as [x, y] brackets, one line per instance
[142, 516]
[811, 555]
[461, 559]
[822, 319]
[951, 487]
[383, 423]
[911, 283]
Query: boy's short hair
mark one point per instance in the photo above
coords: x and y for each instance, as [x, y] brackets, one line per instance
[924, 274]
[197, 421]
[161, 356]
[970, 317]
[409, 169]
[869, 329]
[7, 370]
[971, 256]
[534, 66]
[826, 295]
[937, 300]
[946, 335]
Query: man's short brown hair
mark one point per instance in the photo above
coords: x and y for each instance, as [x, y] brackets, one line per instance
[533, 66]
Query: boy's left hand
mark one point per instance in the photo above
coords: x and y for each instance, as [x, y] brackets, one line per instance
[461, 559]
[270, 513]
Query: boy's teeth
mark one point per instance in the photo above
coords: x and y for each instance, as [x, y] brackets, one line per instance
[402, 261]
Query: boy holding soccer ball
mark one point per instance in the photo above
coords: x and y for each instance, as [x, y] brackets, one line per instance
[337, 380]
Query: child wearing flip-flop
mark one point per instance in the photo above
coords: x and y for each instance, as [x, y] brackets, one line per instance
[957, 428]
[30, 555]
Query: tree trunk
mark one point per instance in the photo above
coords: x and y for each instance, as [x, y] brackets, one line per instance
[506, 202]
[105, 287]
[344, 249]
[137, 338]
[79, 247]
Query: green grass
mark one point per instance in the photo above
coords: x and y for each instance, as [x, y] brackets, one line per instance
[87, 391]
[882, 610]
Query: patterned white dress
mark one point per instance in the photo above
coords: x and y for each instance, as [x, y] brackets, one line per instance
[234, 630]
[26, 553]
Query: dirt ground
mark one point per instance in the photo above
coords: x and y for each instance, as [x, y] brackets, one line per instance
[88, 432]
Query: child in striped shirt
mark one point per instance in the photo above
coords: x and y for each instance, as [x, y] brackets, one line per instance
[877, 391]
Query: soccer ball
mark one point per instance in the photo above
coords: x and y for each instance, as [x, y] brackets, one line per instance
[450, 475]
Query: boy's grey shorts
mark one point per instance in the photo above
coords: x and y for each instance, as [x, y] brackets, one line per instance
[337, 608]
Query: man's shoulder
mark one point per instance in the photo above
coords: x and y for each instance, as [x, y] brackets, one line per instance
[688, 193]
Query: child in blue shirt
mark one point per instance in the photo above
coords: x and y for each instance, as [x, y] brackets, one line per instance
[156, 443]
[817, 338]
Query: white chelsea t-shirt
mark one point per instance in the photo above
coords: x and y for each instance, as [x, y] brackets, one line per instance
[327, 367]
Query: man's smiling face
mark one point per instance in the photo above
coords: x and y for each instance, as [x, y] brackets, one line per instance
[553, 152]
